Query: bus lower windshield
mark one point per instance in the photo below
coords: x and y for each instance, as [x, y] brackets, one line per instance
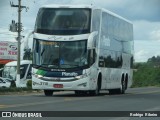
[72, 54]
[63, 21]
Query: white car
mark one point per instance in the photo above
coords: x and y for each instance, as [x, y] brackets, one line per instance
[5, 83]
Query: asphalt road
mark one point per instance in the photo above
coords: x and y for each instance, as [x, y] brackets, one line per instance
[135, 99]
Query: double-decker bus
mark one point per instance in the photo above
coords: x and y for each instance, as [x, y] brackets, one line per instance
[81, 48]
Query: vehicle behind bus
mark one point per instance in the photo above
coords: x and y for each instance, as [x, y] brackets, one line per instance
[10, 71]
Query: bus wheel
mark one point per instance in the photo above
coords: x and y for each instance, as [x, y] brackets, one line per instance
[123, 87]
[48, 92]
[112, 91]
[120, 90]
[95, 92]
[77, 92]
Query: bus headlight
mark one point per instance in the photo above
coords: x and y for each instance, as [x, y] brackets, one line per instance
[38, 76]
[81, 76]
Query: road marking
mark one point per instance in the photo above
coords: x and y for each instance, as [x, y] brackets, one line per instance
[29, 104]
[134, 93]
[44, 102]
[149, 92]
[68, 99]
[3, 106]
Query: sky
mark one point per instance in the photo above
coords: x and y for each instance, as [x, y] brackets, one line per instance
[144, 14]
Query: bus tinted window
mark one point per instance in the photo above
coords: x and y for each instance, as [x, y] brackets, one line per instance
[60, 21]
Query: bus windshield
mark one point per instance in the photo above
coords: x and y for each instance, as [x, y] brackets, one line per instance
[63, 21]
[72, 54]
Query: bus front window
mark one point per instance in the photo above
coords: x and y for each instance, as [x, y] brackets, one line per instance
[71, 54]
[63, 21]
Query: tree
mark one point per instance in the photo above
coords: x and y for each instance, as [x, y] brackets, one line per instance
[27, 54]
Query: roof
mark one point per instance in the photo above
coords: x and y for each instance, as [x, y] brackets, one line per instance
[116, 15]
[67, 6]
[4, 61]
[85, 6]
[14, 63]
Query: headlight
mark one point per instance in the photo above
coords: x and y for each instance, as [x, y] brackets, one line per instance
[38, 76]
[81, 76]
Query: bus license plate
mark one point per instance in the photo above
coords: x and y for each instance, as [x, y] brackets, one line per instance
[58, 85]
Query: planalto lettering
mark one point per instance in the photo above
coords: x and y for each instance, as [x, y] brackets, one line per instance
[69, 74]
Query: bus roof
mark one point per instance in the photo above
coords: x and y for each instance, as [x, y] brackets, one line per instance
[85, 6]
[114, 14]
[67, 6]
[14, 63]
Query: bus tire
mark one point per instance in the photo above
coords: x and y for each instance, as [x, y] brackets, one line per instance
[120, 90]
[48, 92]
[112, 91]
[98, 87]
[79, 92]
[123, 87]
[94, 92]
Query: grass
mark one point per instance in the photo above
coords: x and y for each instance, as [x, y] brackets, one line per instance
[12, 90]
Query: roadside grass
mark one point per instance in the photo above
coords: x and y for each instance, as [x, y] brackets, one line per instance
[14, 90]
[11, 90]
[145, 77]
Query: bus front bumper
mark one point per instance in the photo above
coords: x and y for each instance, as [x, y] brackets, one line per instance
[77, 84]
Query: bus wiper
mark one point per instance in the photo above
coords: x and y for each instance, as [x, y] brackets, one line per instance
[39, 66]
[53, 66]
[42, 51]
[71, 65]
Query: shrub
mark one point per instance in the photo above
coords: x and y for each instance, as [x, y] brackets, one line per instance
[13, 84]
[29, 84]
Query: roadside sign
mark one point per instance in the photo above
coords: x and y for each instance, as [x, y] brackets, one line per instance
[8, 50]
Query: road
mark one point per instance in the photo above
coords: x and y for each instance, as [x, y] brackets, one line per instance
[135, 99]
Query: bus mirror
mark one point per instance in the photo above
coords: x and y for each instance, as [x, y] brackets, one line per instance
[90, 44]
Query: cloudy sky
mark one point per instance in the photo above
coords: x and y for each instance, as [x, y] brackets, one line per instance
[144, 14]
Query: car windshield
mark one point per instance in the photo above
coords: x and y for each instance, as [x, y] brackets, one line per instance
[11, 71]
[70, 54]
[63, 21]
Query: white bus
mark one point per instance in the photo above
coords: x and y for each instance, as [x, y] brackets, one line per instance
[10, 71]
[83, 49]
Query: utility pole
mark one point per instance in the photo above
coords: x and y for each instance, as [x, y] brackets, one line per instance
[18, 39]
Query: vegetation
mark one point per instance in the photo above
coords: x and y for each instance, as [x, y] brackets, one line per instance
[27, 54]
[8, 90]
[147, 74]
[13, 89]
[29, 84]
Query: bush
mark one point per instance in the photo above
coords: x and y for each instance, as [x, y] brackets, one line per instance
[13, 84]
[29, 84]
[146, 76]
